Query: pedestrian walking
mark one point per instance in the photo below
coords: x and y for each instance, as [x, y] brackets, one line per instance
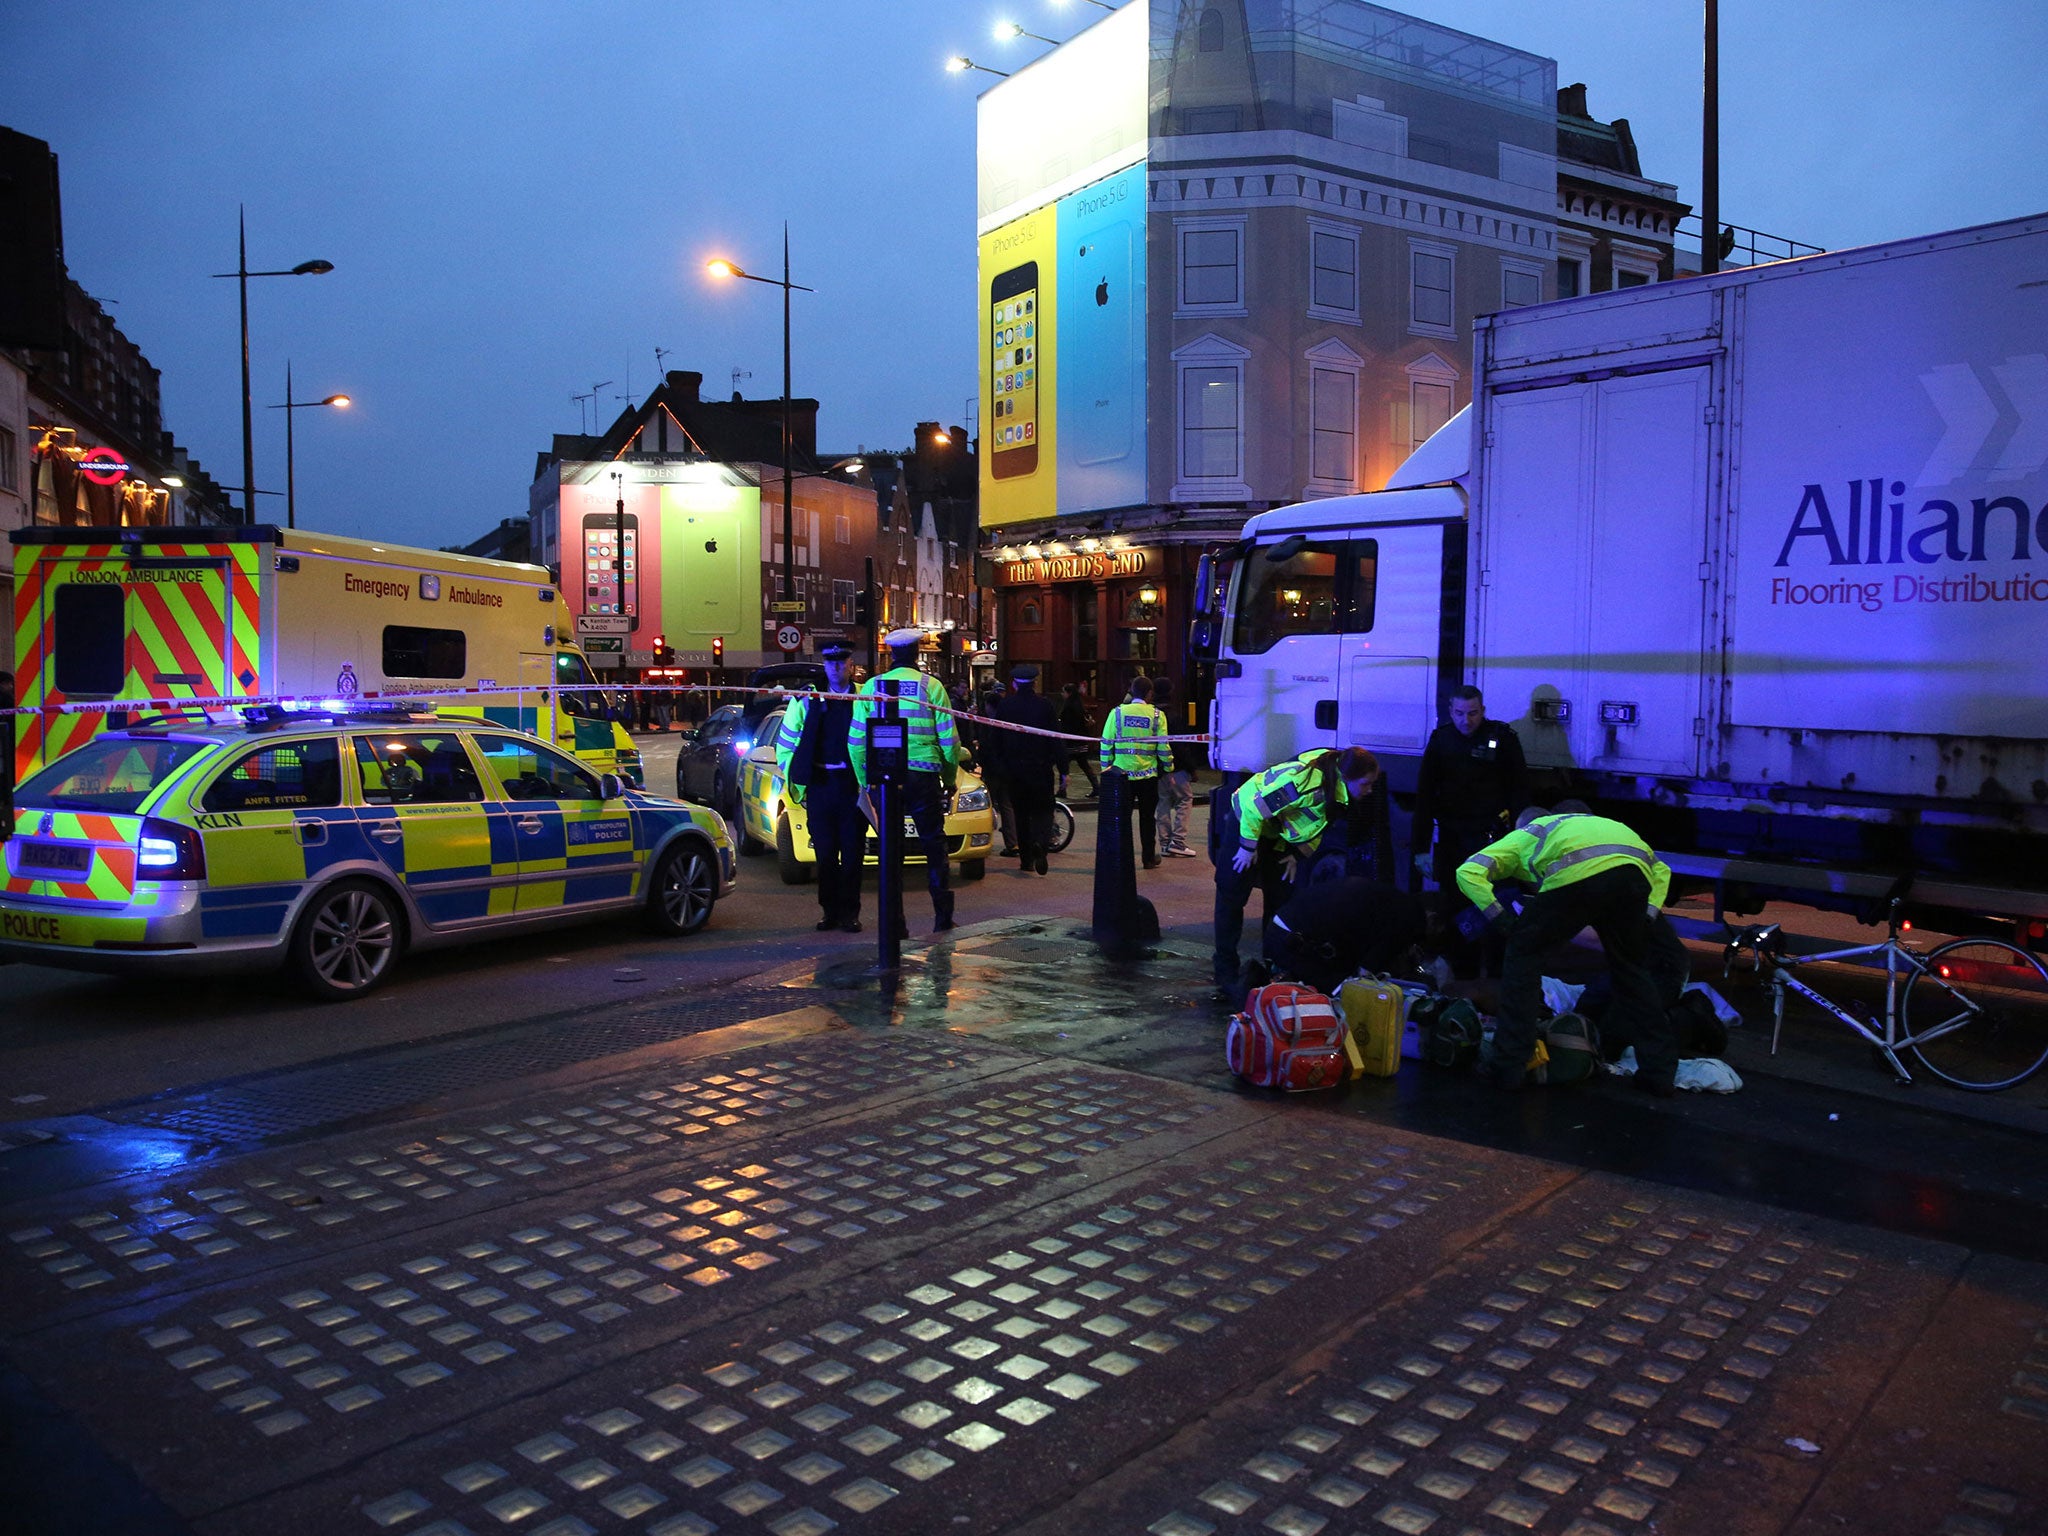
[1278, 819]
[814, 756]
[1131, 745]
[1029, 762]
[1177, 784]
[922, 703]
[1589, 872]
[1470, 786]
[1074, 722]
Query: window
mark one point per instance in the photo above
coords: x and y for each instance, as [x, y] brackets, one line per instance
[1571, 278]
[1627, 279]
[10, 468]
[526, 770]
[1211, 266]
[842, 600]
[288, 775]
[416, 770]
[1320, 589]
[1333, 273]
[1333, 430]
[1085, 624]
[842, 528]
[110, 773]
[1429, 291]
[1520, 287]
[1209, 32]
[410, 651]
[1429, 407]
[89, 635]
[1209, 423]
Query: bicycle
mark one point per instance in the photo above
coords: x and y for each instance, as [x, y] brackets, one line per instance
[1972, 1011]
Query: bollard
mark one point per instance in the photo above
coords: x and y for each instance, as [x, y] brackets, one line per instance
[1123, 919]
[888, 762]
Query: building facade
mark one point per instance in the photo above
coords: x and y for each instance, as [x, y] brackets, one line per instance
[1241, 269]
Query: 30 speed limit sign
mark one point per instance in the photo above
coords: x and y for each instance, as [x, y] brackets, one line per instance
[790, 637]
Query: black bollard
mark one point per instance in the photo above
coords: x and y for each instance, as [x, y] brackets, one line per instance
[1123, 919]
[888, 765]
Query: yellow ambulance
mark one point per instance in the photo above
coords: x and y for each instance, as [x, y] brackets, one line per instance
[258, 612]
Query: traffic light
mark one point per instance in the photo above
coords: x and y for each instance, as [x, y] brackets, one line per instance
[864, 610]
[664, 653]
[718, 650]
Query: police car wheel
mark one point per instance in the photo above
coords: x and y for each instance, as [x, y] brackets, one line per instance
[347, 939]
[684, 890]
[794, 871]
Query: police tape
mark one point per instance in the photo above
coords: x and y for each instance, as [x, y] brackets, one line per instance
[316, 703]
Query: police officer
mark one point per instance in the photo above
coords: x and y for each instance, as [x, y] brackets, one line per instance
[1132, 744]
[922, 704]
[1279, 818]
[1472, 784]
[1029, 762]
[1588, 872]
[815, 761]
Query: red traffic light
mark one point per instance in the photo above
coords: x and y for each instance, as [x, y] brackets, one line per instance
[718, 650]
[658, 642]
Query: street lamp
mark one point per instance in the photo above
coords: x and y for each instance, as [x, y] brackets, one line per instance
[242, 274]
[1006, 30]
[1099, 4]
[291, 497]
[960, 63]
[720, 267]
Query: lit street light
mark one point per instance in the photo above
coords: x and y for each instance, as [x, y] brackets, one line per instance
[960, 63]
[1098, 4]
[242, 274]
[1006, 30]
[720, 267]
[291, 499]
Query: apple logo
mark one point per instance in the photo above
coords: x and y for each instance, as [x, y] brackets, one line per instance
[711, 546]
[1102, 293]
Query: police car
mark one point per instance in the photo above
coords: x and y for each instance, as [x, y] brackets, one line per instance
[767, 820]
[333, 844]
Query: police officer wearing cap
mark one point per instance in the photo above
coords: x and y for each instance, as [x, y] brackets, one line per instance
[1029, 763]
[926, 711]
[815, 760]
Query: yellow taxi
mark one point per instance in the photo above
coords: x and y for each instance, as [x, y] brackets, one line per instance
[334, 844]
[767, 820]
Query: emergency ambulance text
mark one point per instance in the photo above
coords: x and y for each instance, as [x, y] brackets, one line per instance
[371, 586]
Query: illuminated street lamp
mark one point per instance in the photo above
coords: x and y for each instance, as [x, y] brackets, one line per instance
[960, 63]
[719, 266]
[242, 274]
[1006, 30]
[291, 499]
[1099, 4]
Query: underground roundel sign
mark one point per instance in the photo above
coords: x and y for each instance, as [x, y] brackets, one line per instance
[103, 466]
[790, 637]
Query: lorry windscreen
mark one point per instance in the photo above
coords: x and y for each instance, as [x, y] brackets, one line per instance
[1326, 587]
[110, 773]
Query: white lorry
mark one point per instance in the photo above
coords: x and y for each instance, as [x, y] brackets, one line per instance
[1757, 562]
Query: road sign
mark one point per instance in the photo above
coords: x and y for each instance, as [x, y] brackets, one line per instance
[790, 637]
[604, 624]
[604, 645]
[788, 605]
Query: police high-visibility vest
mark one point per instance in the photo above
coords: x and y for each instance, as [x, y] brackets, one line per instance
[1290, 802]
[1128, 744]
[1553, 851]
[922, 705]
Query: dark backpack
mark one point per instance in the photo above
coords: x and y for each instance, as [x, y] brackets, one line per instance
[1448, 1031]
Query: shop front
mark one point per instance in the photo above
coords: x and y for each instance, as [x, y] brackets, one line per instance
[1096, 613]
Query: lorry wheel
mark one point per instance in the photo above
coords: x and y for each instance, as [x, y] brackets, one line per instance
[973, 869]
[683, 891]
[347, 940]
[794, 871]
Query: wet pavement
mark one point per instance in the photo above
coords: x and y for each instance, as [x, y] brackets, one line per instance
[1002, 1248]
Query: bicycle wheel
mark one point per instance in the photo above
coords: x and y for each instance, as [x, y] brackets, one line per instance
[1978, 1015]
[1062, 826]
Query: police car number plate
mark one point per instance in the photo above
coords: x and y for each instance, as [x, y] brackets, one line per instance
[55, 856]
[910, 826]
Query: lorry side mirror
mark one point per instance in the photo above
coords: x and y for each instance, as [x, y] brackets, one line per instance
[1202, 639]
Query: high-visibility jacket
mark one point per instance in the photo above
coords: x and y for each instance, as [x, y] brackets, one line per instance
[922, 704]
[1554, 851]
[797, 767]
[1290, 802]
[1130, 741]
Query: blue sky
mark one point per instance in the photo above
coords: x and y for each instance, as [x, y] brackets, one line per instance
[518, 195]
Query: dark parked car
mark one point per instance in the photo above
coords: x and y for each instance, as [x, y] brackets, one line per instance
[708, 762]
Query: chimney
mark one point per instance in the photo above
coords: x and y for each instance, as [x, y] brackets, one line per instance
[1571, 101]
[684, 385]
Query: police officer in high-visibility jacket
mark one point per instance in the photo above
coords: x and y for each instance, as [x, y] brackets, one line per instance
[922, 704]
[1278, 818]
[814, 760]
[1589, 872]
[1133, 744]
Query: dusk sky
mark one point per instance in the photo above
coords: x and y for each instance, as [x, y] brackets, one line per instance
[518, 196]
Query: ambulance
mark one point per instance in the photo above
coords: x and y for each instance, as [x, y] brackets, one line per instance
[260, 612]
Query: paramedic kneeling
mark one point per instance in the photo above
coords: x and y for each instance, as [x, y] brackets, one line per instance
[1588, 872]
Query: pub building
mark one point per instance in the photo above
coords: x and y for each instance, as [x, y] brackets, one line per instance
[1098, 612]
